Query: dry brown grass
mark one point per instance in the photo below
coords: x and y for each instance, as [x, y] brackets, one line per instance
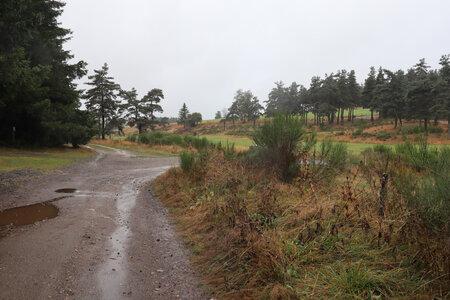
[253, 236]
[142, 148]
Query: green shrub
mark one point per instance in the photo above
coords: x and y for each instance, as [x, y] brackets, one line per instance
[187, 160]
[358, 132]
[278, 141]
[419, 156]
[339, 133]
[367, 134]
[383, 135]
[435, 129]
[426, 192]
[330, 159]
[156, 138]
[199, 143]
[131, 138]
[421, 129]
[229, 150]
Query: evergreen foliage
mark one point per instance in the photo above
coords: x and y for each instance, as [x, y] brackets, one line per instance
[183, 115]
[101, 98]
[38, 98]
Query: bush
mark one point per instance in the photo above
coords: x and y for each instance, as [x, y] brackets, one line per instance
[199, 143]
[278, 142]
[421, 129]
[383, 135]
[358, 132]
[426, 192]
[366, 134]
[187, 160]
[331, 158]
[419, 156]
[156, 138]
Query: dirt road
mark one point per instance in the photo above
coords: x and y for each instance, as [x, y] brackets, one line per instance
[110, 240]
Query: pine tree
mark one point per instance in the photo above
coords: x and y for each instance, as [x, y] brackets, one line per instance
[393, 95]
[183, 115]
[101, 98]
[133, 108]
[368, 93]
[37, 94]
[420, 94]
[218, 115]
[354, 93]
[150, 105]
[343, 100]
[378, 93]
[442, 90]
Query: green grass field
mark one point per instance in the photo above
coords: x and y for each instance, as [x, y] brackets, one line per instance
[243, 143]
[240, 143]
[40, 159]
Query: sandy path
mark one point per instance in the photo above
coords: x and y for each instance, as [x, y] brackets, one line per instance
[111, 240]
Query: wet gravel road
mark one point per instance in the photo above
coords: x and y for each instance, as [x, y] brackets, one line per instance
[110, 240]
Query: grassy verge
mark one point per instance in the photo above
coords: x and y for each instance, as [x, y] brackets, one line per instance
[254, 236]
[40, 159]
[138, 149]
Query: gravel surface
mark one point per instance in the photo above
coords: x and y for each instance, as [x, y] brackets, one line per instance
[111, 238]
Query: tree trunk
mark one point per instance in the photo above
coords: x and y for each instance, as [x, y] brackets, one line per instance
[425, 126]
[371, 115]
[103, 127]
[342, 116]
[338, 116]
[401, 123]
[395, 122]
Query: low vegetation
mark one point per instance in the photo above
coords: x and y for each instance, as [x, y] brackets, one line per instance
[41, 159]
[333, 230]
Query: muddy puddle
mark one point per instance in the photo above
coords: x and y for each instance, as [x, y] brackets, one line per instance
[29, 214]
[66, 191]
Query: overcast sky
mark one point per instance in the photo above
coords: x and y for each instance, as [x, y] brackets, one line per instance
[202, 51]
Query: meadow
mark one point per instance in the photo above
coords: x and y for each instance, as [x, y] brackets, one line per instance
[40, 159]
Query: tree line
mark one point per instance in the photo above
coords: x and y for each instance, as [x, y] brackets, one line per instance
[114, 107]
[419, 93]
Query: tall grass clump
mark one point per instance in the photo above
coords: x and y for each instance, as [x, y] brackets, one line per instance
[199, 143]
[331, 158]
[278, 142]
[426, 184]
[187, 160]
[419, 156]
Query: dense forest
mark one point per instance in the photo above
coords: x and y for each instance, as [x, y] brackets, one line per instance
[39, 103]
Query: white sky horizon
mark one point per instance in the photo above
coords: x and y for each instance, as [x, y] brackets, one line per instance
[202, 51]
